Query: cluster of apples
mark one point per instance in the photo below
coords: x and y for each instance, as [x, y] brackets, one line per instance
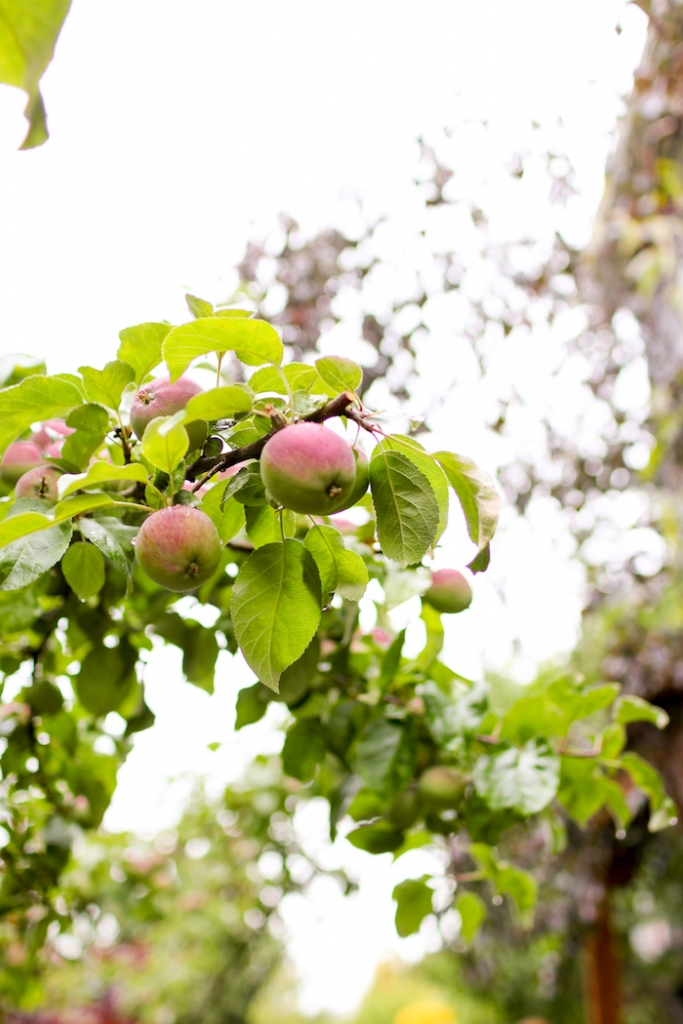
[23, 465]
[305, 467]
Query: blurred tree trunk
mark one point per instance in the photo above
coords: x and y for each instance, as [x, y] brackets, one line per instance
[634, 262]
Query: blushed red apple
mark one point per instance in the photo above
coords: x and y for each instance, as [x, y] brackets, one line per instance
[18, 459]
[39, 482]
[178, 547]
[308, 468]
[450, 592]
[441, 787]
[161, 398]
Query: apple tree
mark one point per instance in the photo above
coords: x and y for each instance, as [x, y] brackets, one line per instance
[127, 488]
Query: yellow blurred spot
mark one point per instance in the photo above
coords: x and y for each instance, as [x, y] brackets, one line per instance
[431, 1012]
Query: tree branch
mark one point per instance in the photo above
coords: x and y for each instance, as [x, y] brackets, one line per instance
[339, 406]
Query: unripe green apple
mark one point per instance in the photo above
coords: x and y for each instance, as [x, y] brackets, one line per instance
[18, 459]
[442, 788]
[308, 468]
[178, 547]
[362, 480]
[39, 482]
[161, 398]
[450, 592]
[405, 808]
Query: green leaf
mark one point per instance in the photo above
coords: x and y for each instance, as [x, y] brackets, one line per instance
[91, 423]
[413, 903]
[218, 404]
[630, 708]
[324, 542]
[247, 486]
[406, 507]
[340, 570]
[526, 780]
[83, 568]
[254, 342]
[581, 791]
[252, 702]
[106, 386]
[299, 376]
[414, 451]
[200, 652]
[472, 910]
[340, 373]
[276, 608]
[165, 443]
[198, 307]
[228, 517]
[385, 756]
[141, 347]
[106, 678]
[28, 34]
[23, 560]
[647, 778]
[304, 749]
[263, 524]
[36, 398]
[112, 538]
[380, 837]
[507, 881]
[477, 494]
[101, 473]
[391, 661]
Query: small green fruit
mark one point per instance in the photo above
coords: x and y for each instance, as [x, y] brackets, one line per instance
[308, 468]
[178, 547]
[442, 788]
[450, 592]
[405, 809]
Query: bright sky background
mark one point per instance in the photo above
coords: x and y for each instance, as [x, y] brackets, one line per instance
[178, 130]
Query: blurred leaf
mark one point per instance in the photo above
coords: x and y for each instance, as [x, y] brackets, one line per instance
[304, 749]
[472, 910]
[385, 756]
[526, 780]
[28, 34]
[413, 903]
[381, 837]
[106, 678]
[252, 703]
[630, 708]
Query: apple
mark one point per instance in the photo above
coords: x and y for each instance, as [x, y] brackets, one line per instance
[161, 398]
[18, 459]
[178, 547]
[39, 482]
[441, 787]
[405, 808]
[450, 592]
[308, 468]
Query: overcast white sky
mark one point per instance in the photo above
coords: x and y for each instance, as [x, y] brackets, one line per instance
[177, 128]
